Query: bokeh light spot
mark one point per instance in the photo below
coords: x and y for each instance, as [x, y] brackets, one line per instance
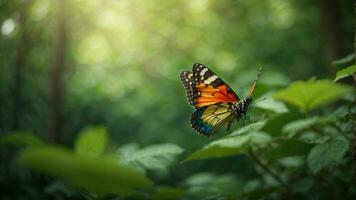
[8, 26]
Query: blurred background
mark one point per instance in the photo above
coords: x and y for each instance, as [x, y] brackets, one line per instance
[71, 64]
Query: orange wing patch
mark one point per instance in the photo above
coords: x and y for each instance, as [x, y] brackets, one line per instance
[209, 95]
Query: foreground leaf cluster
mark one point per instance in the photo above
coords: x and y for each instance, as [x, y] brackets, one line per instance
[301, 135]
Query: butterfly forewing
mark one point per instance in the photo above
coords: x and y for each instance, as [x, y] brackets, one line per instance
[204, 75]
[210, 88]
[187, 79]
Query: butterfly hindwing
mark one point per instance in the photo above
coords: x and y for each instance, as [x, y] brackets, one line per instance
[206, 120]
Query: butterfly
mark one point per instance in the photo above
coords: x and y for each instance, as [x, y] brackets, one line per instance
[215, 102]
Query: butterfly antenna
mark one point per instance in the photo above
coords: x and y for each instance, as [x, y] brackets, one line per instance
[255, 82]
[261, 99]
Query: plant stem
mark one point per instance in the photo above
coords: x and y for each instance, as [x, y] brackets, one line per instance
[267, 169]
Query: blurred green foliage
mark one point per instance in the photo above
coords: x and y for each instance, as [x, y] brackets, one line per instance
[311, 94]
[327, 154]
[230, 146]
[123, 119]
[345, 72]
[91, 142]
[95, 174]
[155, 157]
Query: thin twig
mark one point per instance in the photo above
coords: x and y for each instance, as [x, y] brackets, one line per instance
[267, 169]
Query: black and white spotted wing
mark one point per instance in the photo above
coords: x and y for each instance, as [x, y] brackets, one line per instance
[204, 87]
[204, 75]
[189, 85]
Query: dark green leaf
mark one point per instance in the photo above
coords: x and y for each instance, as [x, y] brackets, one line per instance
[247, 129]
[228, 146]
[20, 139]
[303, 124]
[274, 125]
[262, 193]
[326, 154]
[288, 148]
[204, 183]
[59, 187]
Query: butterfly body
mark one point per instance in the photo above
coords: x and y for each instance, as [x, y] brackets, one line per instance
[240, 108]
[215, 102]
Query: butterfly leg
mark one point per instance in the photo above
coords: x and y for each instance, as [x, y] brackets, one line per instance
[228, 125]
[243, 123]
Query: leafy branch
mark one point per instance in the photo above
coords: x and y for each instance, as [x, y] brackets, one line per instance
[268, 170]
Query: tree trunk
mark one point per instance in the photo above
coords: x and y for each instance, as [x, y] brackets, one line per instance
[58, 65]
[331, 19]
[20, 62]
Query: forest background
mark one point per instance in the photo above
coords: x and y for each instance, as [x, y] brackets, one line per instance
[92, 106]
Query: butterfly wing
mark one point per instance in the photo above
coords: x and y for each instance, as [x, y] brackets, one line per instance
[206, 120]
[187, 79]
[204, 87]
[213, 99]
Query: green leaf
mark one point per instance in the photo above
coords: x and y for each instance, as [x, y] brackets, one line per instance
[204, 183]
[200, 179]
[349, 71]
[58, 186]
[91, 142]
[324, 155]
[154, 157]
[228, 146]
[220, 148]
[288, 148]
[311, 94]
[95, 174]
[304, 124]
[248, 128]
[259, 139]
[20, 139]
[271, 105]
[274, 126]
[345, 60]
